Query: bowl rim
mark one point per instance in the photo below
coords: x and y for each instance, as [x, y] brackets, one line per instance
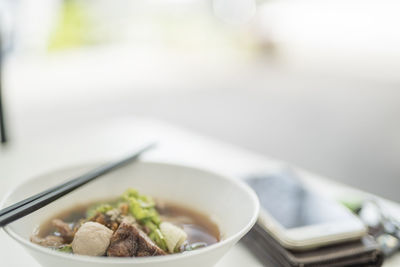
[113, 260]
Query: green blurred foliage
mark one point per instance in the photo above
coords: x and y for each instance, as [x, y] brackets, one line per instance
[73, 27]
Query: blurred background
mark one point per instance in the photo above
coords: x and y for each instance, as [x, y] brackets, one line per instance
[313, 83]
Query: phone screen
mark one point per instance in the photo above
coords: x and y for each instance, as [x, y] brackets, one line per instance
[285, 198]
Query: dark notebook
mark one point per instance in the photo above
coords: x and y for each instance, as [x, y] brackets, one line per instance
[364, 252]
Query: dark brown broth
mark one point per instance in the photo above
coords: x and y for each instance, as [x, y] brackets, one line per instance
[198, 226]
[70, 216]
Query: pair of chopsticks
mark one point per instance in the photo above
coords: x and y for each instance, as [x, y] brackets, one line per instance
[35, 202]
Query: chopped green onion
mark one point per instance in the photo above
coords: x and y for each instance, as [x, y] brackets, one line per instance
[195, 246]
[65, 249]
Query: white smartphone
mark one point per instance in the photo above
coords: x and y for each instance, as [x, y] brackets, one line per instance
[300, 219]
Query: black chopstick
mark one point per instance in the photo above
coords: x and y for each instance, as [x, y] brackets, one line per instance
[34, 197]
[41, 199]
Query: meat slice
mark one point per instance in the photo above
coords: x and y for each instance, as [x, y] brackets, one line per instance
[65, 231]
[123, 242]
[146, 246]
[48, 241]
[99, 218]
[130, 241]
[106, 220]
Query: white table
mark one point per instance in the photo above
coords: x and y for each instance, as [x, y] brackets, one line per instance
[27, 157]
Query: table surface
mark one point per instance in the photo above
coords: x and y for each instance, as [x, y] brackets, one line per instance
[25, 158]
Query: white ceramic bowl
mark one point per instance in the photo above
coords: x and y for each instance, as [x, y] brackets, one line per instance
[230, 203]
